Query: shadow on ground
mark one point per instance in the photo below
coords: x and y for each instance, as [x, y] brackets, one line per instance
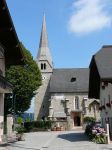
[74, 137]
[21, 146]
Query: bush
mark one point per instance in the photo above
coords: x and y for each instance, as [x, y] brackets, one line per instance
[37, 125]
[88, 129]
[96, 133]
[20, 129]
[19, 120]
[88, 119]
[99, 135]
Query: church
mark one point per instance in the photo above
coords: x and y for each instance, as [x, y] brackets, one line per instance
[63, 95]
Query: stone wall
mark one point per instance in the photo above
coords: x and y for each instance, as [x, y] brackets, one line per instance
[65, 102]
[42, 98]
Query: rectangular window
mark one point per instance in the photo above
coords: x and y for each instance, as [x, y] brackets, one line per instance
[76, 102]
[42, 66]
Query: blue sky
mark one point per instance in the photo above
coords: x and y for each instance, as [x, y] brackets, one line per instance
[77, 29]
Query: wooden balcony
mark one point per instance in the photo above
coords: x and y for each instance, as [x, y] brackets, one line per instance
[5, 86]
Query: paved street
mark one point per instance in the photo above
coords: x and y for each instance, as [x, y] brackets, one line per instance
[69, 140]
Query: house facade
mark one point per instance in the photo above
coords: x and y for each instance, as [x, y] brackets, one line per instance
[100, 83]
[63, 95]
[10, 54]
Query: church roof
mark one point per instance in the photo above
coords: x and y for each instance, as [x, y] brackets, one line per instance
[100, 70]
[103, 59]
[69, 80]
[44, 52]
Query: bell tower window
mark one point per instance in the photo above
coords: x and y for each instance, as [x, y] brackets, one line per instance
[42, 66]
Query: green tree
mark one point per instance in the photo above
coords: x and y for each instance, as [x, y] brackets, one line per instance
[25, 80]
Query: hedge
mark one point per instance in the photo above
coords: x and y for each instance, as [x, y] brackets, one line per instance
[42, 125]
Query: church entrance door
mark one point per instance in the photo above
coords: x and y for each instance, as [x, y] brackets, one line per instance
[77, 121]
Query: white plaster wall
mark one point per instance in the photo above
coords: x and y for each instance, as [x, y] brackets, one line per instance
[104, 98]
[9, 125]
[1, 114]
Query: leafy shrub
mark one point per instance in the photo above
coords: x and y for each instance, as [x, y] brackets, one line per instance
[88, 129]
[89, 119]
[37, 125]
[96, 133]
[19, 120]
[99, 135]
[20, 129]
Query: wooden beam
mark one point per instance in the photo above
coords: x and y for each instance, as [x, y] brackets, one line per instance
[5, 29]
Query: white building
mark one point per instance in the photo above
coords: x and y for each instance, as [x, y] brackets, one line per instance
[10, 54]
[63, 95]
[100, 85]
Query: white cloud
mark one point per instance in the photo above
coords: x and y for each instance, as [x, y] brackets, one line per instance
[89, 16]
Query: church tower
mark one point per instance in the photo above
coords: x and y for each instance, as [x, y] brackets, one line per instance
[44, 61]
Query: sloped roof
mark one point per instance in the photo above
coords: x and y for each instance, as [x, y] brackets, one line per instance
[100, 70]
[8, 37]
[61, 80]
[103, 59]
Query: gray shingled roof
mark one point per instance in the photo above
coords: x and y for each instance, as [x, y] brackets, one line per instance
[103, 60]
[61, 80]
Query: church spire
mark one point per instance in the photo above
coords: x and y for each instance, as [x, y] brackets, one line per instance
[44, 52]
[44, 37]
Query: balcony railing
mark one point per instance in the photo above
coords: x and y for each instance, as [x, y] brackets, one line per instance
[4, 84]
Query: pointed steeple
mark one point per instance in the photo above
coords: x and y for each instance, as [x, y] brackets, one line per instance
[44, 37]
[44, 52]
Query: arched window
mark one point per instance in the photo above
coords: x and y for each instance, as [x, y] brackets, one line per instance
[44, 66]
[76, 102]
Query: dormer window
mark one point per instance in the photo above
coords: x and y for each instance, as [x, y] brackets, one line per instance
[73, 79]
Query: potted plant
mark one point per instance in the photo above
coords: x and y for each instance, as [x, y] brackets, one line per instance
[20, 132]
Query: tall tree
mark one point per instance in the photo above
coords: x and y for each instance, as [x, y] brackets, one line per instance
[25, 80]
